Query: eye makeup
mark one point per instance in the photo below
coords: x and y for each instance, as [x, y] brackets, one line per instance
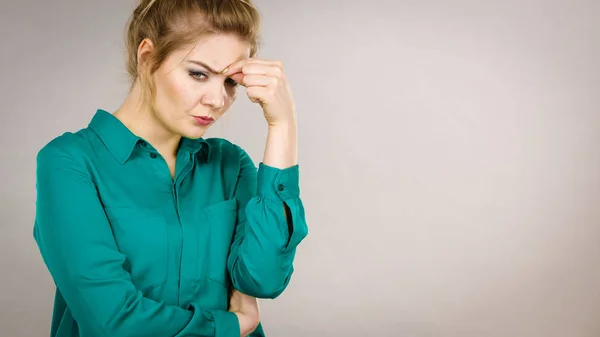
[202, 76]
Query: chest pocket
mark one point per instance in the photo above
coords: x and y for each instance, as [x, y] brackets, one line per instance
[222, 218]
[141, 235]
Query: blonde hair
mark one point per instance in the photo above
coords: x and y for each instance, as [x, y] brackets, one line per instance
[173, 24]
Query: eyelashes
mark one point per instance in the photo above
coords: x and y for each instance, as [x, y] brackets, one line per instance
[230, 82]
[200, 76]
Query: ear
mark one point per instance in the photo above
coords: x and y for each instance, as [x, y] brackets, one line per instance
[144, 50]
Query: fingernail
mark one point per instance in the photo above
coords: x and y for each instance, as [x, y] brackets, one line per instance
[225, 70]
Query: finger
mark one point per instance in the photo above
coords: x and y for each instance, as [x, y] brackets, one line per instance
[262, 69]
[238, 78]
[257, 94]
[257, 80]
[267, 62]
[255, 73]
[237, 67]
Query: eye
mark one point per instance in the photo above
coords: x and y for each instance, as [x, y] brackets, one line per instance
[198, 75]
[230, 82]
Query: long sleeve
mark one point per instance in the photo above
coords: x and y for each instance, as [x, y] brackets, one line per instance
[80, 252]
[271, 224]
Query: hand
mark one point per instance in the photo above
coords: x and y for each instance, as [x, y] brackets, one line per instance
[247, 311]
[266, 84]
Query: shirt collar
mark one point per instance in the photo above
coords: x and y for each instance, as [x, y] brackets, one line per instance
[121, 142]
[194, 145]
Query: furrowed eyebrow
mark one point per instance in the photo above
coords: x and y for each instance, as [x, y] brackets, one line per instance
[202, 64]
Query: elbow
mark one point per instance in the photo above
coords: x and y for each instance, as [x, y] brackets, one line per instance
[263, 290]
[265, 284]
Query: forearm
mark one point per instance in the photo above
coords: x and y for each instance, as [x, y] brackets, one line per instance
[281, 150]
[261, 258]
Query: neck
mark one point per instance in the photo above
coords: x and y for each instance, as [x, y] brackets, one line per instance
[139, 118]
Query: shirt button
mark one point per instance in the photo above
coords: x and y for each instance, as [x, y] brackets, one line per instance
[280, 187]
[143, 143]
[153, 155]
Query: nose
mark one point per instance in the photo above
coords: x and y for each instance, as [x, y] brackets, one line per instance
[214, 96]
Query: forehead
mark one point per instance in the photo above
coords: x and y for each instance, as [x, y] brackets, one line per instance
[217, 50]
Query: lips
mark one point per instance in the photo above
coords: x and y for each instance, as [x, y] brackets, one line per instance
[207, 118]
[203, 120]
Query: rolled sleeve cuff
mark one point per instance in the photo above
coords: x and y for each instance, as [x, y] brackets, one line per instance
[278, 184]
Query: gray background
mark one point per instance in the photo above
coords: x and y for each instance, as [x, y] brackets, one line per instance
[449, 151]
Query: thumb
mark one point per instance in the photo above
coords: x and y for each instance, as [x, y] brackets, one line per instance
[238, 78]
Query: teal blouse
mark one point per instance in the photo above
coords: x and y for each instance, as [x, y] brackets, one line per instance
[134, 252]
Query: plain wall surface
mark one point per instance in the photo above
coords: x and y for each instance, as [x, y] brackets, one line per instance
[449, 154]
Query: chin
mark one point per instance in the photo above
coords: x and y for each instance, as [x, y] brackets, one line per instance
[193, 133]
[187, 129]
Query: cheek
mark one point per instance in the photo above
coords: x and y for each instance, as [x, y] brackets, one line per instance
[181, 92]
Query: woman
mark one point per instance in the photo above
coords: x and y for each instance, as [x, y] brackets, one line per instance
[147, 228]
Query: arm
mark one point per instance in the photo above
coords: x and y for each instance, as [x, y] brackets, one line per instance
[79, 250]
[271, 219]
